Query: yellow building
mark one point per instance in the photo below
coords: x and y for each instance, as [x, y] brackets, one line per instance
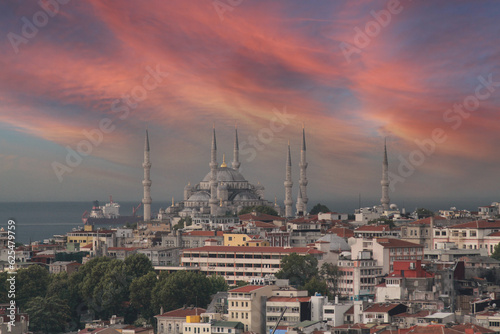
[240, 239]
[86, 237]
[245, 305]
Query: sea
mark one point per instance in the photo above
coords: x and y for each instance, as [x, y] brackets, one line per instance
[38, 221]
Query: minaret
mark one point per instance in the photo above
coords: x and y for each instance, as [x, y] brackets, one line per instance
[299, 205]
[146, 183]
[288, 184]
[236, 152]
[213, 177]
[385, 180]
[303, 177]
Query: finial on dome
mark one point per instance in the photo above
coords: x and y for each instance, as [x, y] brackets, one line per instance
[223, 161]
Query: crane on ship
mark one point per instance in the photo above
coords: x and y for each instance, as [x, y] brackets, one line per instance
[134, 209]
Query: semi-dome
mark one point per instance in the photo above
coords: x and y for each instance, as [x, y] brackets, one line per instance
[245, 195]
[226, 174]
[199, 196]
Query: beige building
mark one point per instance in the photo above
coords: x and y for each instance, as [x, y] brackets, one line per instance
[247, 305]
[171, 322]
[241, 263]
[420, 231]
[298, 308]
[387, 250]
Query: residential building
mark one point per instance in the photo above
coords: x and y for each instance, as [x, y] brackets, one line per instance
[64, 266]
[162, 256]
[121, 253]
[420, 231]
[18, 324]
[387, 250]
[382, 313]
[333, 313]
[304, 231]
[247, 305]
[297, 304]
[358, 277]
[240, 263]
[191, 239]
[372, 231]
[238, 239]
[472, 235]
[171, 322]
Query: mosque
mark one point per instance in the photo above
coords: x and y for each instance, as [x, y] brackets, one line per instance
[224, 190]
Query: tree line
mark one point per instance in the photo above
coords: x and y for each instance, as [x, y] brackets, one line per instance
[104, 287]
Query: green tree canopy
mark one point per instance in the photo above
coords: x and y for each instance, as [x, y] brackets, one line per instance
[319, 208]
[182, 288]
[261, 208]
[298, 269]
[314, 285]
[424, 213]
[141, 290]
[138, 265]
[48, 315]
[217, 284]
[31, 282]
[496, 252]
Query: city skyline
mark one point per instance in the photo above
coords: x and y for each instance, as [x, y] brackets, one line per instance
[94, 76]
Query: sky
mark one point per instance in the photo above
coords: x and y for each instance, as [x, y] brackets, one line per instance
[81, 81]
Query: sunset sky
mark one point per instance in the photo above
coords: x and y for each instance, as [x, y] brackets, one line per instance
[330, 65]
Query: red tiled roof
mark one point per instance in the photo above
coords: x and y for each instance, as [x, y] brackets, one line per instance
[204, 233]
[427, 221]
[262, 249]
[476, 328]
[373, 228]
[247, 288]
[183, 312]
[350, 310]
[380, 308]
[341, 232]
[391, 243]
[259, 216]
[481, 224]
[289, 299]
[419, 314]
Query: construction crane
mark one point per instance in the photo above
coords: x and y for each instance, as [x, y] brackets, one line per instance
[134, 210]
[279, 320]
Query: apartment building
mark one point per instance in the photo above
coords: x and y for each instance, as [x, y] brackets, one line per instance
[162, 256]
[240, 263]
[387, 250]
[472, 235]
[358, 277]
[372, 231]
[297, 304]
[304, 231]
[420, 231]
[247, 305]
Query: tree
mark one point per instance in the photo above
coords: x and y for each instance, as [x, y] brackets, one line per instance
[496, 252]
[424, 213]
[330, 273]
[298, 269]
[31, 282]
[261, 208]
[138, 265]
[48, 315]
[141, 290]
[314, 285]
[217, 284]
[181, 288]
[319, 208]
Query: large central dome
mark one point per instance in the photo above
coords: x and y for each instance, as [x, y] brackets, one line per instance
[226, 174]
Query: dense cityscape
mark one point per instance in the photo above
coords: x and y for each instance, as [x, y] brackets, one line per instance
[249, 167]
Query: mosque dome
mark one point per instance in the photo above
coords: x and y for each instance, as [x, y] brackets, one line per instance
[199, 196]
[245, 195]
[226, 174]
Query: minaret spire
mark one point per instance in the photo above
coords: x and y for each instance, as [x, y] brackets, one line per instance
[303, 177]
[385, 179]
[299, 205]
[288, 184]
[236, 152]
[146, 183]
[213, 176]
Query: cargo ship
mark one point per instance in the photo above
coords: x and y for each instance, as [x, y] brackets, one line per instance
[109, 214]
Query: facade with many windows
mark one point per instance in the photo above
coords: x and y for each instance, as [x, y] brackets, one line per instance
[247, 305]
[240, 263]
[358, 278]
